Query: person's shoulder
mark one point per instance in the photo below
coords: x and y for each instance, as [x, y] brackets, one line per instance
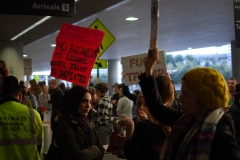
[225, 124]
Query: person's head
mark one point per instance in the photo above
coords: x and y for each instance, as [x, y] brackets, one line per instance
[203, 89]
[93, 93]
[91, 79]
[11, 88]
[165, 89]
[136, 92]
[101, 89]
[231, 84]
[118, 88]
[53, 84]
[62, 86]
[45, 89]
[77, 101]
[237, 89]
[141, 105]
[26, 89]
[3, 68]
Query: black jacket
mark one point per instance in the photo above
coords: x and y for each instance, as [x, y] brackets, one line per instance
[72, 141]
[140, 146]
[224, 145]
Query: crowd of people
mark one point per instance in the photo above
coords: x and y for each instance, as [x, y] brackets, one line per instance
[202, 123]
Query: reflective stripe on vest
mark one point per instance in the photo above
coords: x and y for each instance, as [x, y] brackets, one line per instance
[24, 141]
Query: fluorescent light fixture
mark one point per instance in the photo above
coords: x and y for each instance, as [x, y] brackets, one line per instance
[31, 27]
[131, 19]
[24, 55]
[53, 45]
[189, 48]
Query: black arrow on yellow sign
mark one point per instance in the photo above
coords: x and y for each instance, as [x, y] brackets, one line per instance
[99, 64]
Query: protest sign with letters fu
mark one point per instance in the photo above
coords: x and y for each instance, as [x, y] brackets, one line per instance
[75, 53]
[133, 66]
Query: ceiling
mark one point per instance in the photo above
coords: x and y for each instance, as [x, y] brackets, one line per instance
[182, 24]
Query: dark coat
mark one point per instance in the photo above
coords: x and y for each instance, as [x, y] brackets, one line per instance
[72, 141]
[224, 145]
[146, 134]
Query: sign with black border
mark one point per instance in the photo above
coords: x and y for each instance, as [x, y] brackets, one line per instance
[64, 8]
[236, 5]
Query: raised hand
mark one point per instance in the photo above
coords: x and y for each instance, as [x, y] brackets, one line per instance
[151, 61]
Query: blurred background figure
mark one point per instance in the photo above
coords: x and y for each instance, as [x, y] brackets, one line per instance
[3, 73]
[44, 107]
[115, 98]
[91, 81]
[231, 83]
[103, 121]
[63, 88]
[28, 98]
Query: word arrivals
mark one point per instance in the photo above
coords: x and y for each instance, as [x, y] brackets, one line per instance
[45, 6]
[72, 76]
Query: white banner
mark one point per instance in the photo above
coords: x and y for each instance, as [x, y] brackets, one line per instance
[133, 66]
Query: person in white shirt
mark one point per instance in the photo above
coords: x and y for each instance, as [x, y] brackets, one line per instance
[124, 107]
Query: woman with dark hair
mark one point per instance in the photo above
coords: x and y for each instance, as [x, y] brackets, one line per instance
[75, 135]
[146, 139]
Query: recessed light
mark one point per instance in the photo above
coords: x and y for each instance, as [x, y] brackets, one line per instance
[53, 45]
[189, 48]
[131, 19]
[24, 55]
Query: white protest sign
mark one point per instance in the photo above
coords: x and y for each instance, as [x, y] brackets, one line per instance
[133, 66]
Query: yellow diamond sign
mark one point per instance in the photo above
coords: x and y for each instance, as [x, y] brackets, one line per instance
[100, 63]
[108, 38]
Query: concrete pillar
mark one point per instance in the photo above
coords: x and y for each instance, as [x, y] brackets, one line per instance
[12, 53]
[235, 61]
[114, 74]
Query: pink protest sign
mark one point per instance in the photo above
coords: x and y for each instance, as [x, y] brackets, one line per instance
[75, 53]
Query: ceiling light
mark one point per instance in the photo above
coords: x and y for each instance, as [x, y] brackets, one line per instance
[189, 48]
[53, 45]
[24, 55]
[131, 19]
[31, 27]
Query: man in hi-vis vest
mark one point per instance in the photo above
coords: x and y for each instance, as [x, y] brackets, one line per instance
[21, 131]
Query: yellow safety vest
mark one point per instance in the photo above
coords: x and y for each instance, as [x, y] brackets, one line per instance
[20, 132]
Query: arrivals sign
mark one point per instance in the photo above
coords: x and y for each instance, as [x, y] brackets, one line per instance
[133, 66]
[75, 53]
[65, 8]
[236, 4]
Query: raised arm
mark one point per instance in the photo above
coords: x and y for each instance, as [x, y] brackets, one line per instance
[129, 95]
[153, 99]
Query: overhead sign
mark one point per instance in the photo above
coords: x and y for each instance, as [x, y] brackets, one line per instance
[27, 67]
[133, 66]
[100, 63]
[236, 4]
[65, 8]
[75, 53]
[107, 40]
